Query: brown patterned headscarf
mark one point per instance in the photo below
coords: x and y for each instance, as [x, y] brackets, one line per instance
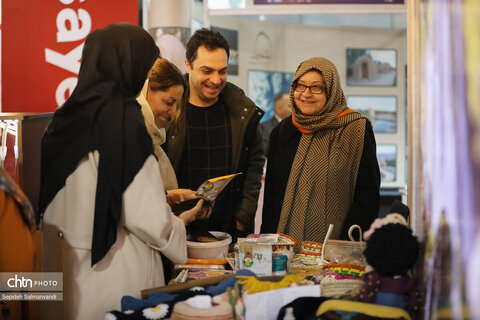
[322, 180]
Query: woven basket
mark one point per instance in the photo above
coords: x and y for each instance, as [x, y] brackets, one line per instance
[310, 247]
[333, 285]
[346, 252]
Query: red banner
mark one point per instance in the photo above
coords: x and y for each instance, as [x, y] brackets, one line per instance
[42, 44]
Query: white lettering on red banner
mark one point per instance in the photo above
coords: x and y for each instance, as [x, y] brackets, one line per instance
[70, 27]
[42, 43]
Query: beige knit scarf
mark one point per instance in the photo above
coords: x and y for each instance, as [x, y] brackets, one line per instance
[158, 138]
[322, 180]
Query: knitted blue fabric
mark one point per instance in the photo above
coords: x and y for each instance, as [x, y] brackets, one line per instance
[228, 283]
[154, 298]
[158, 297]
[160, 310]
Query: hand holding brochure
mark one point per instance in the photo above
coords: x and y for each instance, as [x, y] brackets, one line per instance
[208, 191]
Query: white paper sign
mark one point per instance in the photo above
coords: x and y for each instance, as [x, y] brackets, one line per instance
[266, 305]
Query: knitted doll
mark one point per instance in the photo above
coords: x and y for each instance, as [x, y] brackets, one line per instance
[391, 252]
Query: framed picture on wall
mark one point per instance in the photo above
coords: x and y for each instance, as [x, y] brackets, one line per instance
[387, 161]
[380, 110]
[372, 67]
[264, 85]
[232, 38]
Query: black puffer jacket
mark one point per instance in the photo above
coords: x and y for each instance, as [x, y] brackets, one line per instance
[247, 155]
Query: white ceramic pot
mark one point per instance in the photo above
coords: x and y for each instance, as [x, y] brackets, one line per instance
[209, 250]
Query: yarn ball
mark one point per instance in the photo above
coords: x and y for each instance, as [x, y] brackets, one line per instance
[392, 250]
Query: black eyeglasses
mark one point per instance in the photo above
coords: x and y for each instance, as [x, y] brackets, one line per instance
[317, 89]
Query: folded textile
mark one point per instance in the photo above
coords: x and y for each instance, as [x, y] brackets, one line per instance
[154, 299]
[161, 310]
[228, 283]
[185, 311]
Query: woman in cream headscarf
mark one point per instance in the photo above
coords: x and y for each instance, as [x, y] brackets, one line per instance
[322, 166]
[160, 96]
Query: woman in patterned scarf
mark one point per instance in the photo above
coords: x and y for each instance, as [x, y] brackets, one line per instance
[322, 166]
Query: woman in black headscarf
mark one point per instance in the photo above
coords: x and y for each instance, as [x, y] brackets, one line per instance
[105, 216]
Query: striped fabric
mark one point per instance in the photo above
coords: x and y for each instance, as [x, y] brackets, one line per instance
[321, 184]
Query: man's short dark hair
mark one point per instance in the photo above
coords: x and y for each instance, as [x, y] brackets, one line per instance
[210, 39]
[278, 97]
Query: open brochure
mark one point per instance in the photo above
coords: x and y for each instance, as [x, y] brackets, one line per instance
[208, 191]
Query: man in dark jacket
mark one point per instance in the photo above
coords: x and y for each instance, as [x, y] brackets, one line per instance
[216, 133]
[281, 109]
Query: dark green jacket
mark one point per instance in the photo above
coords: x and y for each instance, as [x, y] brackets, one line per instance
[247, 153]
